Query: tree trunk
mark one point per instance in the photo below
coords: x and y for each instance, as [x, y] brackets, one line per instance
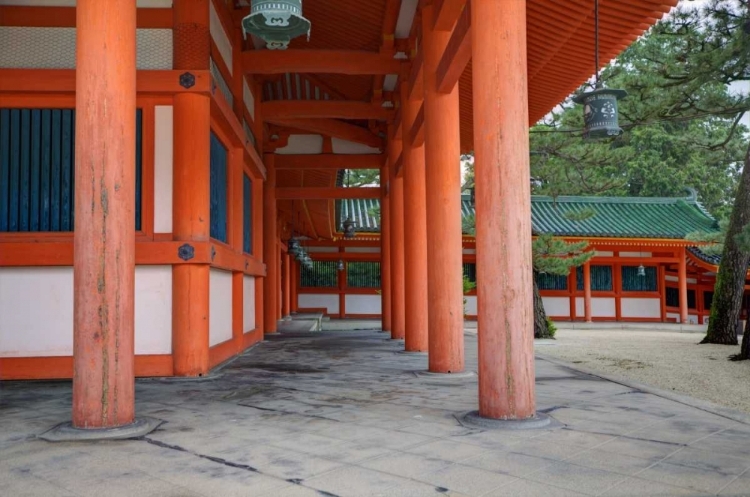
[541, 330]
[730, 281]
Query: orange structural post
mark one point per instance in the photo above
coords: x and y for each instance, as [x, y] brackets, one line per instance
[287, 286]
[293, 285]
[443, 181]
[270, 286]
[503, 205]
[587, 292]
[415, 241]
[397, 244]
[385, 248]
[682, 277]
[279, 282]
[104, 235]
[191, 210]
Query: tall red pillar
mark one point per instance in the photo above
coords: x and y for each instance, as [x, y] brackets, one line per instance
[587, 292]
[503, 205]
[397, 244]
[287, 285]
[270, 286]
[191, 210]
[385, 247]
[104, 235]
[443, 180]
[415, 241]
[682, 277]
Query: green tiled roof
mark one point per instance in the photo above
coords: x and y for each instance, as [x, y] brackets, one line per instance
[616, 217]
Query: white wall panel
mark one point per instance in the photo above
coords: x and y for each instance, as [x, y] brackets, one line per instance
[248, 97]
[220, 306]
[248, 304]
[363, 250]
[153, 310]
[557, 306]
[635, 254]
[220, 37]
[346, 147]
[640, 308]
[163, 167]
[302, 144]
[363, 304]
[319, 301]
[471, 305]
[601, 307]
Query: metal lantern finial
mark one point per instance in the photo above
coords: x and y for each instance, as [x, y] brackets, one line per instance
[600, 114]
[276, 22]
[340, 267]
[641, 271]
[349, 228]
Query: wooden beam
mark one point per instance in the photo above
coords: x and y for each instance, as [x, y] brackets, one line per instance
[333, 128]
[417, 130]
[329, 161]
[416, 78]
[64, 81]
[447, 13]
[457, 53]
[351, 62]
[65, 17]
[323, 193]
[325, 109]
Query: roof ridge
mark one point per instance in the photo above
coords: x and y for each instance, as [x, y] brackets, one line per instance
[615, 200]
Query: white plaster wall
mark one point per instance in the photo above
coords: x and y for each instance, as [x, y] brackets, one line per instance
[153, 310]
[220, 36]
[671, 278]
[672, 315]
[635, 254]
[604, 253]
[163, 135]
[471, 305]
[303, 144]
[248, 304]
[55, 48]
[219, 306]
[36, 311]
[601, 307]
[557, 306]
[691, 318]
[470, 251]
[319, 301]
[248, 97]
[640, 308]
[363, 250]
[322, 249]
[363, 304]
[346, 147]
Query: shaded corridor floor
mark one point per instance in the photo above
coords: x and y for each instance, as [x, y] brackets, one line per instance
[343, 414]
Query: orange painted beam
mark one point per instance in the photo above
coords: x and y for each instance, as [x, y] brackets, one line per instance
[330, 161]
[446, 13]
[323, 109]
[64, 81]
[65, 17]
[457, 54]
[416, 78]
[332, 128]
[416, 132]
[350, 62]
[61, 367]
[323, 193]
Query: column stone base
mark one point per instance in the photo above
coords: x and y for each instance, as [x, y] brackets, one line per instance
[65, 432]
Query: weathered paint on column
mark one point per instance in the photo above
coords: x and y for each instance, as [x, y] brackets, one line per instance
[270, 288]
[385, 247]
[397, 244]
[587, 292]
[294, 274]
[415, 240]
[191, 179]
[104, 236]
[682, 277]
[287, 285]
[503, 205]
[443, 180]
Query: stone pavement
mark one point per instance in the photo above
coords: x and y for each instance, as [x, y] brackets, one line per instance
[344, 414]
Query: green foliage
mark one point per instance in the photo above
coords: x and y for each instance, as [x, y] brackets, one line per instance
[551, 328]
[581, 214]
[468, 286]
[361, 177]
[556, 256]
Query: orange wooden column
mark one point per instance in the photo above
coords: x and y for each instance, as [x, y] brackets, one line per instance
[385, 248]
[587, 292]
[287, 285]
[415, 241]
[397, 244]
[270, 288]
[104, 236]
[191, 210]
[682, 277]
[294, 304]
[443, 181]
[279, 282]
[503, 205]
[237, 213]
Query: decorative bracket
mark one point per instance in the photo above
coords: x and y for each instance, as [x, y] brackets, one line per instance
[186, 252]
[213, 253]
[187, 80]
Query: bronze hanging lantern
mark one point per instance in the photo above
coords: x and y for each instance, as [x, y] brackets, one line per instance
[293, 246]
[641, 271]
[276, 22]
[600, 113]
[348, 228]
[300, 255]
[340, 267]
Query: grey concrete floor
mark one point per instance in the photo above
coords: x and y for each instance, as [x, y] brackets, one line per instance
[343, 414]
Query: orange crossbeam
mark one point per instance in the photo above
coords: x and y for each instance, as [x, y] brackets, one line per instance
[446, 13]
[416, 133]
[329, 161]
[351, 62]
[325, 109]
[65, 17]
[457, 53]
[332, 128]
[322, 193]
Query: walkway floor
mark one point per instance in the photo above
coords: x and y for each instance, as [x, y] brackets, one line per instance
[343, 414]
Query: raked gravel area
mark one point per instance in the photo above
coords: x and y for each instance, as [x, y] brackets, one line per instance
[666, 360]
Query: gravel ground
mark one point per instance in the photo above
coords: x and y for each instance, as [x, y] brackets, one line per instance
[671, 361]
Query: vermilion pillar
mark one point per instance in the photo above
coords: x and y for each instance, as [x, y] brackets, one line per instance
[270, 287]
[443, 180]
[415, 240]
[279, 282]
[397, 243]
[385, 247]
[287, 285]
[587, 292]
[104, 236]
[191, 211]
[503, 205]
[682, 277]
[294, 273]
